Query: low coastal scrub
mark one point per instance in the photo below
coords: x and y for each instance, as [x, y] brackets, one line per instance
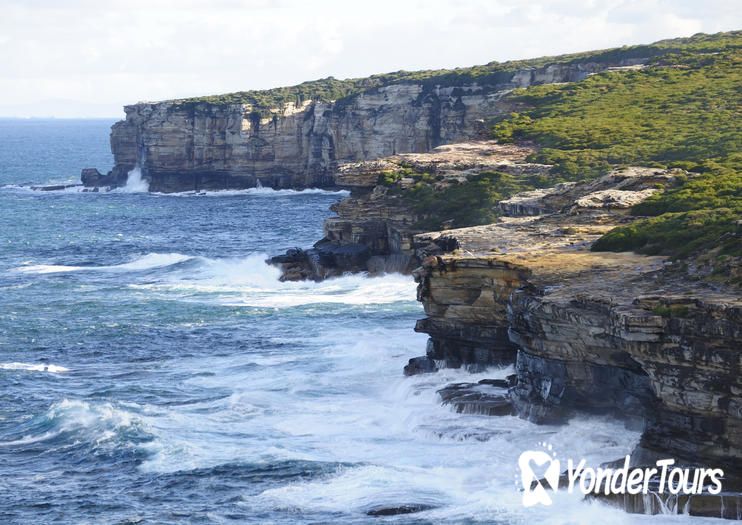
[701, 215]
[683, 111]
[471, 202]
[492, 73]
[671, 311]
[677, 234]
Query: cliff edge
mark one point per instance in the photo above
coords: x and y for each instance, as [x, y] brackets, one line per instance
[215, 143]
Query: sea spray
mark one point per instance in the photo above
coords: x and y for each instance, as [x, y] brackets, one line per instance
[135, 183]
[145, 262]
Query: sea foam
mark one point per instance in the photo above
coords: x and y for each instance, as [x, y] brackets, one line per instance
[54, 369]
[134, 182]
[145, 262]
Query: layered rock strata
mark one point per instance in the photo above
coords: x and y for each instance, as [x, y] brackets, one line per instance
[378, 225]
[192, 145]
[593, 332]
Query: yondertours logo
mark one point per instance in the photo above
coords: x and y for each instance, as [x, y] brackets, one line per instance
[535, 467]
[540, 470]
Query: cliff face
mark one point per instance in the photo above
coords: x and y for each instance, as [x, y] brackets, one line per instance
[466, 302]
[599, 351]
[615, 333]
[198, 145]
[377, 224]
[592, 333]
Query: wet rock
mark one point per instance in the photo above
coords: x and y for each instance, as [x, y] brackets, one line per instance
[550, 390]
[325, 260]
[499, 383]
[57, 187]
[92, 178]
[466, 432]
[420, 365]
[399, 509]
[477, 398]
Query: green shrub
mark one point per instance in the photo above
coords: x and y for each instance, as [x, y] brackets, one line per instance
[671, 311]
[489, 74]
[677, 234]
[468, 204]
[683, 111]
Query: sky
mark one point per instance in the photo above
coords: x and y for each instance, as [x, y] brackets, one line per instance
[87, 58]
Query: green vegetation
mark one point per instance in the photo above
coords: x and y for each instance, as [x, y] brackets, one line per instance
[700, 215]
[391, 178]
[677, 234]
[683, 111]
[488, 74]
[679, 116]
[470, 203]
[671, 311]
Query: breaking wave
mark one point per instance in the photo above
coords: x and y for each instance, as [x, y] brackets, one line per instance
[72, 422]
[134, 182]
[64, 187]
[244, 281]
[146, 262]
[54, 369]
[259, 192]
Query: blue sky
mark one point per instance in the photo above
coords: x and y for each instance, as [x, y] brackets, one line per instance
[90, 57]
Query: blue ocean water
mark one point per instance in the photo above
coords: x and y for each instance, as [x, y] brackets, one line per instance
[154, 370]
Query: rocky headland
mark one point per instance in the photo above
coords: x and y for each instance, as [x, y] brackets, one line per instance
[197, 144]
[625, 334]
[593, 333]
[500, 234]
[375, 227]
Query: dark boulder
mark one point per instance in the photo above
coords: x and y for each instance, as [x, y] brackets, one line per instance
[399, 509]
[420, 365]
[478, 398]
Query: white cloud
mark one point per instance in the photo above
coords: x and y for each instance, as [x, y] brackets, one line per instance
[117, 52]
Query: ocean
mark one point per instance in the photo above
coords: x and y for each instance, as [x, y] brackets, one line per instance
[153, 369]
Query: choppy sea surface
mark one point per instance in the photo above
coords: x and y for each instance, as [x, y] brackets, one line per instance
[154, 370]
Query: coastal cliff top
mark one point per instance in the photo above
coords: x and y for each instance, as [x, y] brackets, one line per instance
[450, 161]
[329, 88]
[554, 248]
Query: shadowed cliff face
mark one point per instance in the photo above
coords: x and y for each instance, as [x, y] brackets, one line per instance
[597, 333]
[589, 333]
[593, 351]
[604, 333]
[184, 146]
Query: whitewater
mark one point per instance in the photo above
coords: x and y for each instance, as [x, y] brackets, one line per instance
[154, 369]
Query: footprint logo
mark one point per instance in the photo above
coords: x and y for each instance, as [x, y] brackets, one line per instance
[535, 467]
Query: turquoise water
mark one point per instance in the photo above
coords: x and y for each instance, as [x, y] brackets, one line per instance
[154, 370]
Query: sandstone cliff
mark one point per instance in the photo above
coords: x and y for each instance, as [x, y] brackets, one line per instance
[606, 333]
[192, 145]
[591, 332]
[377, 224]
